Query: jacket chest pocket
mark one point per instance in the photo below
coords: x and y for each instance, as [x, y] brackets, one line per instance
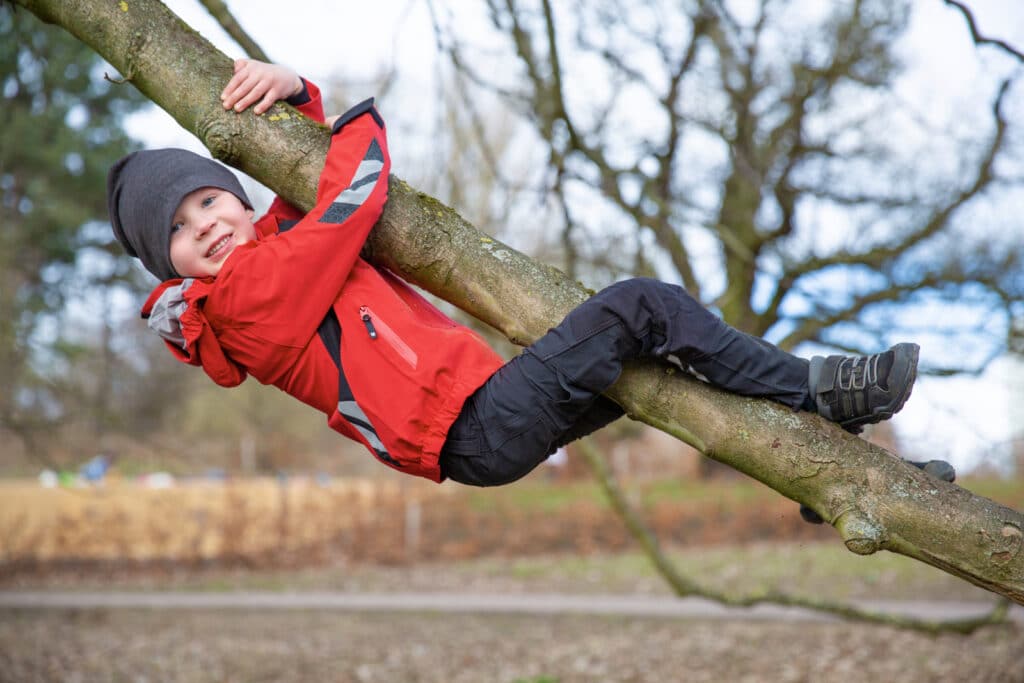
[380, 332]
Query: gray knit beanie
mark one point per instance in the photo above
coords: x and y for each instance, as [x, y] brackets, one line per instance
[144, 190]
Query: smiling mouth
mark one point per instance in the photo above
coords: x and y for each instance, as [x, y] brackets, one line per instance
[218, 246]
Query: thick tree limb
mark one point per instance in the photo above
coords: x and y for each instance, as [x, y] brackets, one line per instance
[875, 501]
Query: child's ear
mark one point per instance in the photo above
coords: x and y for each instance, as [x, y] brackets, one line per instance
[251, 213]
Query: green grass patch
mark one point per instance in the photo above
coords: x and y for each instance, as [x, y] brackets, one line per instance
[812, 570]
[541, 496]
[822, 570]
[737, 491]
[1009, 492]
[530, 496]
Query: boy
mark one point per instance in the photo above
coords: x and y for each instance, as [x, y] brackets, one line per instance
[288, 300]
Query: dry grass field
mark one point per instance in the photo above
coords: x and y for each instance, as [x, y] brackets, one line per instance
[190, 521]
[302, 522]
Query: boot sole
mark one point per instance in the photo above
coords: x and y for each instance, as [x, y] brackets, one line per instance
[908, 353]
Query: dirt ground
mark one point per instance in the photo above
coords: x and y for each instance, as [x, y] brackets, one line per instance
[143, 646]
[201, 646]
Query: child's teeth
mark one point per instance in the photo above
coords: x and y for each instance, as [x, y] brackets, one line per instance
[216, 247]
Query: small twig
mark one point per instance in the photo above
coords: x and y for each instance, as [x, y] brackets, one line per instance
[980, 39]
[116, 81]
[220, 12]
[684, 586]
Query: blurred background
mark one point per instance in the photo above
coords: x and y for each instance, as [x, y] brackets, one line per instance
[832, 179]
[835, 177]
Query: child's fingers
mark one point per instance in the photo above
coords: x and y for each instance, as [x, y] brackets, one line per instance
[236, 88]
[249, 75]
[251, 97]
[235, 97]
[267, 102]
[240, 74]
[230, 96]
[249, 90]
[254, 83]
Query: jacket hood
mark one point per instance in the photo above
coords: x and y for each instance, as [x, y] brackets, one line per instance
[175, 312]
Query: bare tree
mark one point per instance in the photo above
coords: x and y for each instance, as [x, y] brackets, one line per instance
[767, 161]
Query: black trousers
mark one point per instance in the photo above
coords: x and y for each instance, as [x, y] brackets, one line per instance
[551, 393]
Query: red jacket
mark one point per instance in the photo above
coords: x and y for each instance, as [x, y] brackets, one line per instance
[299, 309]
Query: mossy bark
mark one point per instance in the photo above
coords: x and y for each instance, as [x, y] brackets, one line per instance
[875, 501]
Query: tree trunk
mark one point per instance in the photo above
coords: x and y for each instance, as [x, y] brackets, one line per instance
[874, 500]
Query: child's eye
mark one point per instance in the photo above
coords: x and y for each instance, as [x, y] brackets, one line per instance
[209, 200]
[176, 227]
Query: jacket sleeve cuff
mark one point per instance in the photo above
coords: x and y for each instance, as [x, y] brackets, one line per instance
[366, 106]
[301, 98]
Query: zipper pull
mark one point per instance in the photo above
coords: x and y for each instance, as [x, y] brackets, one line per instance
[365, 314]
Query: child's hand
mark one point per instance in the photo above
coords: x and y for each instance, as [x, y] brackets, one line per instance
[261, 83]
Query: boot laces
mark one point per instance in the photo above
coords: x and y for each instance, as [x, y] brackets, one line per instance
[857, 372]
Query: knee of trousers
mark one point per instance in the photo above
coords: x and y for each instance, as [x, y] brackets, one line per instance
[646, 302]
[644, 288]
[661, 317]
[637, 307]
[490, 469]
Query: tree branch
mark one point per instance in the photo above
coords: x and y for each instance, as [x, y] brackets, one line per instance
[219, 11]
[979, 39]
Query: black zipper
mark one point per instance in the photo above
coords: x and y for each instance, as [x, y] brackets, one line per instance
[369, 325]
[384, 333]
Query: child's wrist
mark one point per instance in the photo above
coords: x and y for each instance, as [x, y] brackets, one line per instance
[300, 96]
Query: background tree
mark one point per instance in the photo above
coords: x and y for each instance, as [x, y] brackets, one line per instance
[60, 129]
[75, 377]
[763, 155]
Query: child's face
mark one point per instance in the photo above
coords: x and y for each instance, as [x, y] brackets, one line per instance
[209, 224]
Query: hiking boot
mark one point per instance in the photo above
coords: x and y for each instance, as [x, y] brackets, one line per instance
[940, 469]
[853, 391]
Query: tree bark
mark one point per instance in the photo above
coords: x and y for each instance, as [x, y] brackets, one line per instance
[875, 501]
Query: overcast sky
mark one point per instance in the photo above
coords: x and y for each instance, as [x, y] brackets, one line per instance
[957, 419]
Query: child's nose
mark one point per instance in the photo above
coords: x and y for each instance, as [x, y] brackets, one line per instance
[203, 227]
